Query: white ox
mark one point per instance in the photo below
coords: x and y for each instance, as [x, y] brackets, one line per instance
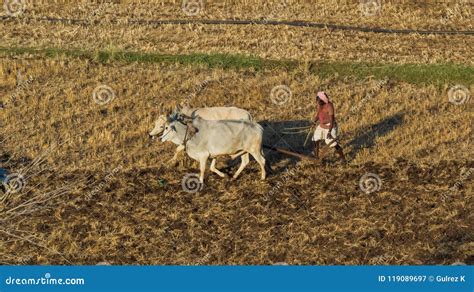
[217, 138]
[207, 113]
[215, 113]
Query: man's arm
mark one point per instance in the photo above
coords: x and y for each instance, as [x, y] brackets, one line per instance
[316, 116]
[331, 123]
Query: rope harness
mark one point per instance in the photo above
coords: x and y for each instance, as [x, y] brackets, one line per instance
[310, 129]
[187, 137]
[300, 130]
[185, 142]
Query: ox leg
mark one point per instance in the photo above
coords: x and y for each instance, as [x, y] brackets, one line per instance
[202, 166]
[261, 161]
[234, 156]
[214, 169]
[245, 160]
[175, 157]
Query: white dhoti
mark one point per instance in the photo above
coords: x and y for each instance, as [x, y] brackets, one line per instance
[322, 134]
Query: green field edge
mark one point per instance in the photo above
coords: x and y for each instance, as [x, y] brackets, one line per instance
[437, 74]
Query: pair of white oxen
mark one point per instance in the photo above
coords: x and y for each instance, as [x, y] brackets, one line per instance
[220, 131]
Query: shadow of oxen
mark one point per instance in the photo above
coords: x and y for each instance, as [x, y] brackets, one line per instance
[275, 135]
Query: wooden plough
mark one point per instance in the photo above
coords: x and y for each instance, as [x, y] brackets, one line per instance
[291, 153]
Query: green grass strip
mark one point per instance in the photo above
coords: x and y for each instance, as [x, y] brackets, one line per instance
[437, 74]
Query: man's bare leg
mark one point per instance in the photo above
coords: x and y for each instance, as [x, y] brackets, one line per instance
[340, 152]
[316, 149]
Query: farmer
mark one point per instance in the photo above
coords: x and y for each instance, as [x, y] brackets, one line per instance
[327, 128]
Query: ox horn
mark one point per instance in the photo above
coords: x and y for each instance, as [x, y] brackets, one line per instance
[161, 108]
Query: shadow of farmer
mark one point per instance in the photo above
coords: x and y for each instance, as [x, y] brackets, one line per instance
[365, 137]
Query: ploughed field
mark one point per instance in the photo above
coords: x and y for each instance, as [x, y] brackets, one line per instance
[89, 186]
[97, 189]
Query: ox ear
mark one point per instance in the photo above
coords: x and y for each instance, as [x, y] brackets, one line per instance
[169, 110]
[171, 117]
